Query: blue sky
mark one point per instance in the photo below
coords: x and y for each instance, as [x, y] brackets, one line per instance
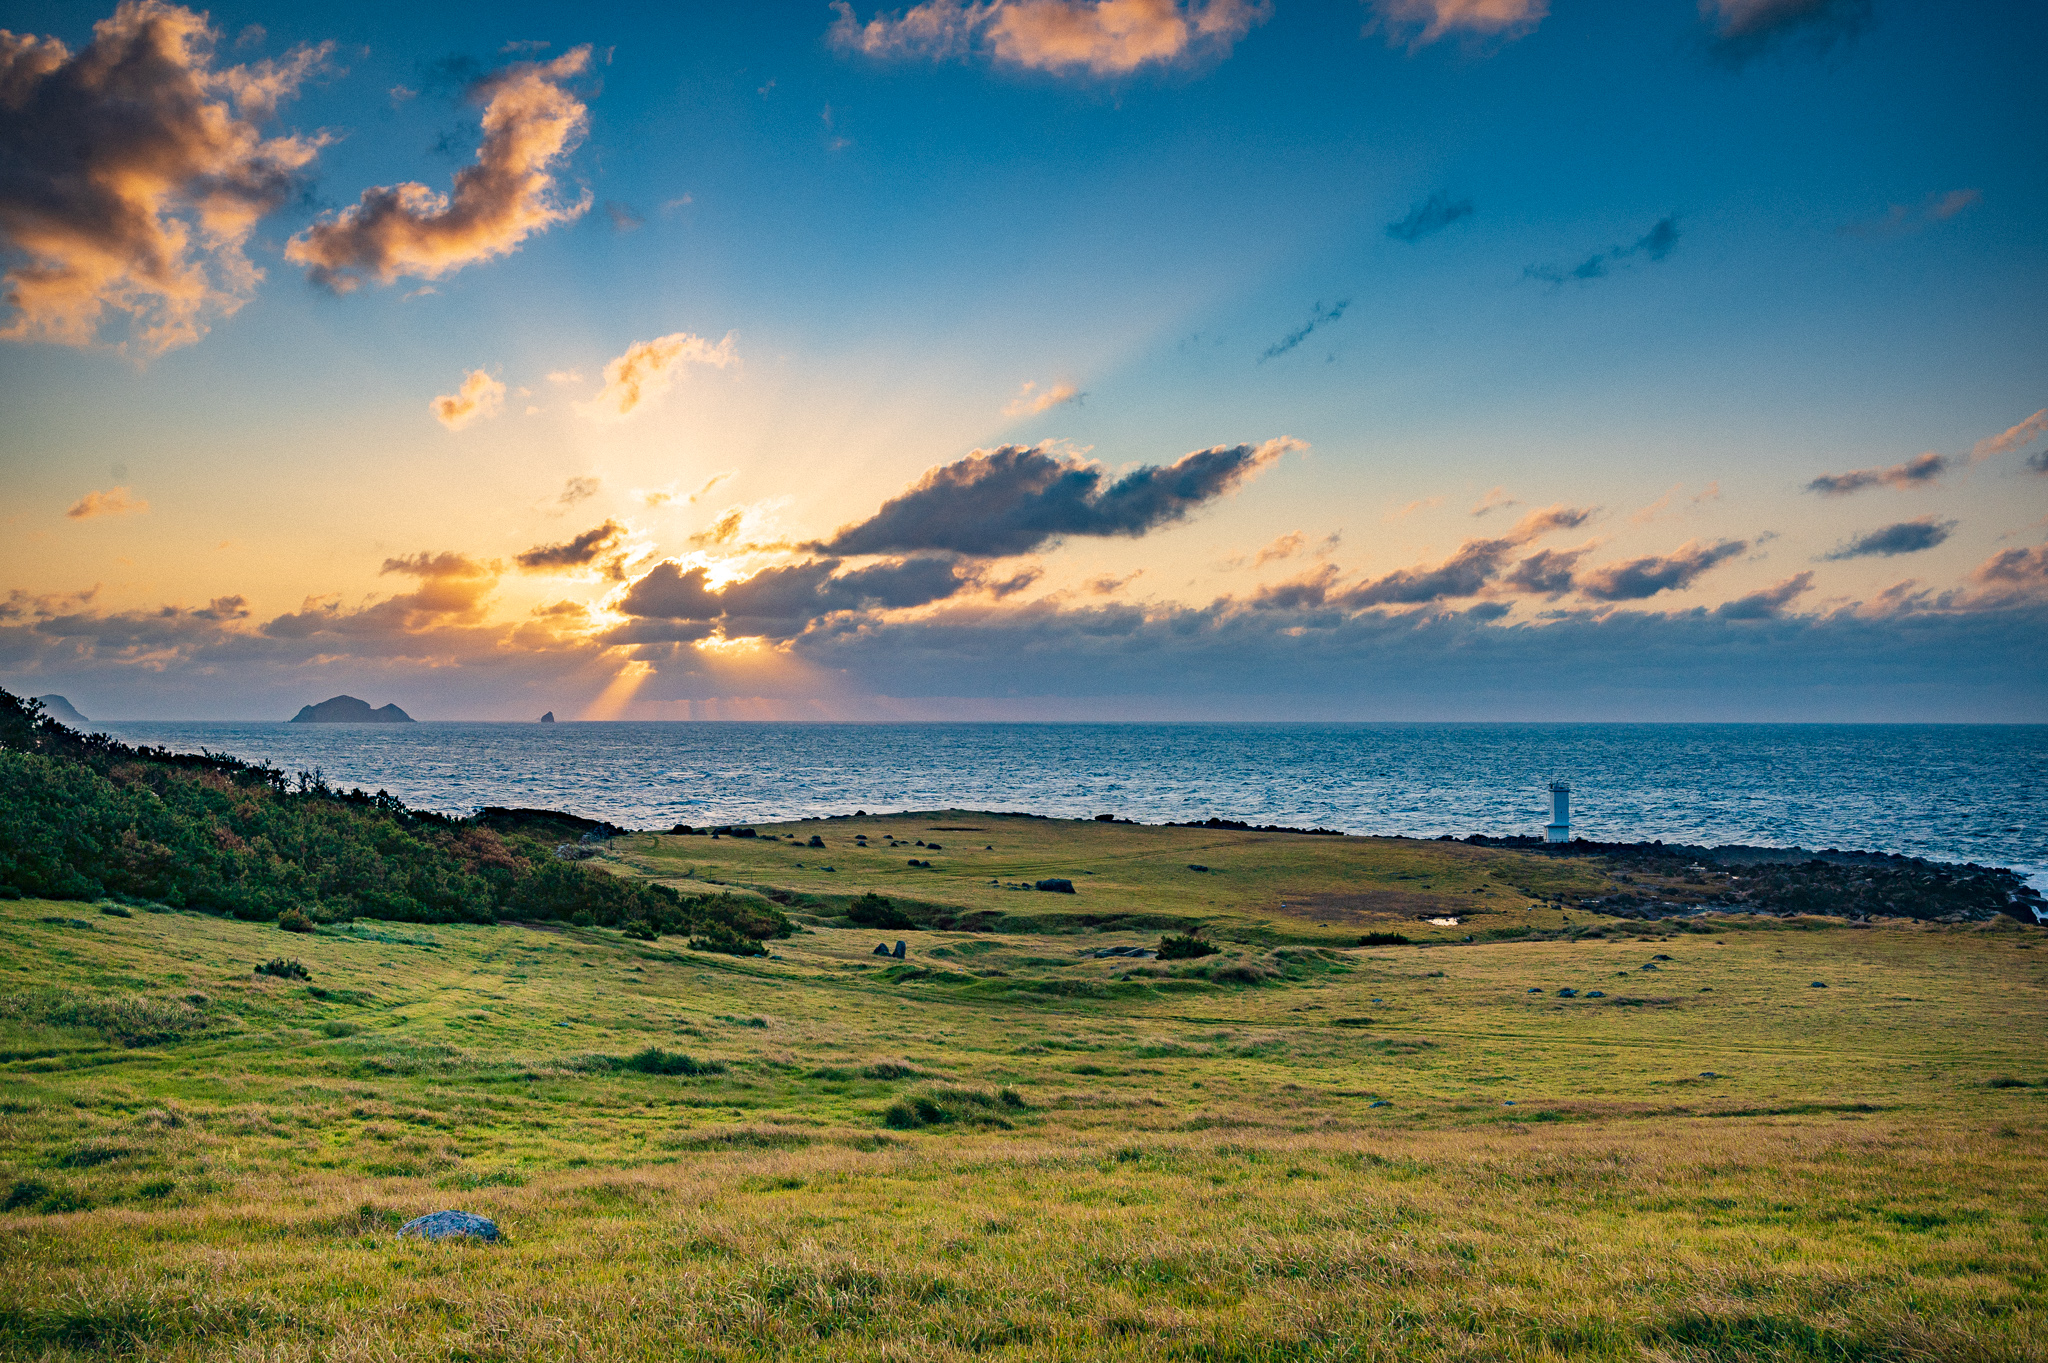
[1686, 260]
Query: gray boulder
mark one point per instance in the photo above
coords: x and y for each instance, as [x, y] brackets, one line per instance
[901, 951]
[1056, 886]
[451, 1225]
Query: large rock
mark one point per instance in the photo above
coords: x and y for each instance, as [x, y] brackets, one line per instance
[349, 710]
[1056, 886]
[450, 1225]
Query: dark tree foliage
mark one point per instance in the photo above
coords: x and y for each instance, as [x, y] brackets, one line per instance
[1184, 948]
[83, 816]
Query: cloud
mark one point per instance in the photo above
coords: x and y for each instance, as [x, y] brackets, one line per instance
[1031, 403]
[1496, 500]
[1011, 500]
[1655, 244]
[1301, 333]
[1474, 568]
[1066, 37]
[649, 367]
[1547, 573]
[530, 122]
[1287, 546]
[578, 490]
[2012, 573]
[1639, 578]
[1743, 30]
[724, 530]
[564, 376]
[132, 174]
[1419, 504]
[1919, 471]
[584, 548]
[1430, 217]
[115, 501]
[1767, 604]
[2017, 437]
[1904, 537]
[1421, 22]
[2038, 461]
[623, 218]
[480, 396]
[1899, 221]
[780, 602]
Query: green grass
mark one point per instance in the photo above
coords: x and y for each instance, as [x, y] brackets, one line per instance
[1000, 1149]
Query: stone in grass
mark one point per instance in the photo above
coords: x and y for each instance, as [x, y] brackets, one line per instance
[450, 1225]
[1567, 993]
[1596, 993]
[1055, 886]
[1820, 984]
[1379, 1102]
[881, 949]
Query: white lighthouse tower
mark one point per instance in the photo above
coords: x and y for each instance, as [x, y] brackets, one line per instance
[1559, 829]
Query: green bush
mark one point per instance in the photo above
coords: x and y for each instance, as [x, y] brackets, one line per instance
[876, 911]
[655, 1060]
[284, 969]
[1184, 948]
[295, 920]
[85, 817]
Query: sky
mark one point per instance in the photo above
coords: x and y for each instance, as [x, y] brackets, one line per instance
[1028, 359]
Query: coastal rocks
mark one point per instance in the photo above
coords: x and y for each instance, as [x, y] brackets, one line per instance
[1054, 885]
[349, 710]
[548, 718]
[450, 1225]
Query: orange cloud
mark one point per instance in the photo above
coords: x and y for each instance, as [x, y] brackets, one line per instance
[1098, 37]
[113, 502]
[1030, 403]
[530, 123]
[2021, 435]
[649, 367]
[136, 171]
[1421, 22]
[480, 396]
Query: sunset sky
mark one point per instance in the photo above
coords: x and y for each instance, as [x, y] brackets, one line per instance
[1412, 359]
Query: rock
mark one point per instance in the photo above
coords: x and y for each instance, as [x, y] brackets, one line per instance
[901, 951]
[1648, 966]
[881, 948]
[349, 710]
[548, 718]
[1379, 1102]
[816, 841]
[1194, 867]
[451, 1225]
[1567, 993]
[1820, 984]
[1533, 991]
[1660, 956]
[570, 851]
[1055, 886]
[1596, 993]
[1708, 1074]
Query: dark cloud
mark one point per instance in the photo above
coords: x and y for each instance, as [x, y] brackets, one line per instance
[2038, 461]
[1655, 244]
[781, 602]
[1475, 567]
[1918, 471]
[530, 122]
[132, 174]
[1639, 578]
[1743, 30]
[1904, 537]
[1429, 217]
[1011, 500]
[585, 548]
[1767, 604]
[1320, 317]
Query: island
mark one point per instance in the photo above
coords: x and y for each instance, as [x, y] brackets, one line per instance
[349, 710]
[548, 718]
[61, 710]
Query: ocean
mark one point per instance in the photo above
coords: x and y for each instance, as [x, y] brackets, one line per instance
[1949, 792]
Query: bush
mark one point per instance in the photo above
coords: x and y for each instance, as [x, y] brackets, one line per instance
[724, 941]
[284, 969]
[944, 1106]
[1184, 948]
[295, 920]
[876, 911]
[1383, 939]
[655, 1060]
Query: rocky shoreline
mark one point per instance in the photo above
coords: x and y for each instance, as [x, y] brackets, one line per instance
[1675, 880]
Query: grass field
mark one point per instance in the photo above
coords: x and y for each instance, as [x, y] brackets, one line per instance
[998, 1148]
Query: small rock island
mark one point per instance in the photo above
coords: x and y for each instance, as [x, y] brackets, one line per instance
[548, 718]
[61, 710]
[349, 710]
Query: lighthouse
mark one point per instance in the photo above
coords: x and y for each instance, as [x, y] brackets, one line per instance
[1559, 829]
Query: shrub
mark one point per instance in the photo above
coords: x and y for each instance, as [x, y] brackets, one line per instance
[284, 969]
[115, 911]
[1184, 948]
[295, 920]
[723, 940]
[876, 911]
[1383, 939]
[945, 1106]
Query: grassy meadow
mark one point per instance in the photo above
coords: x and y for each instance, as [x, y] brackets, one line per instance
[1299, 1148]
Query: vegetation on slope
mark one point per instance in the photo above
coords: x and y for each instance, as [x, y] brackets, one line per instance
[83, 816]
